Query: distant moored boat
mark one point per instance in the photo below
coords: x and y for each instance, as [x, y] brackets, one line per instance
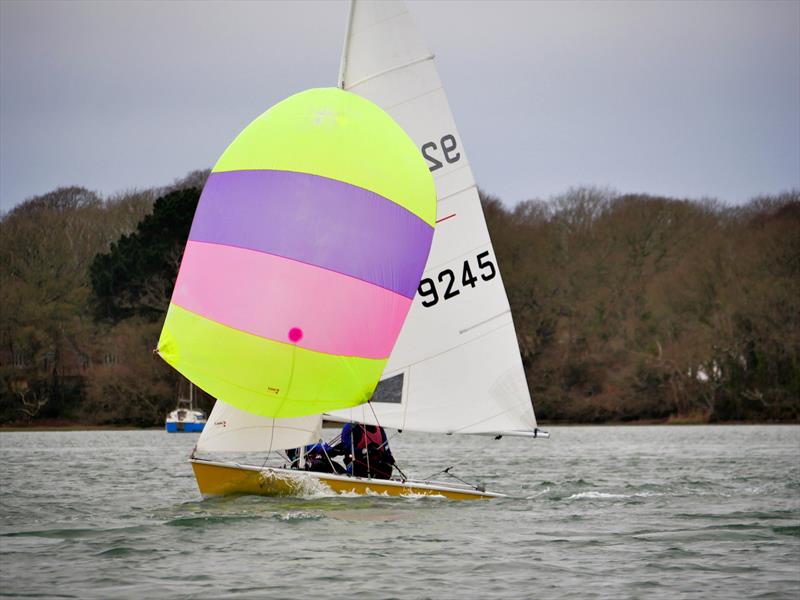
[186, 418]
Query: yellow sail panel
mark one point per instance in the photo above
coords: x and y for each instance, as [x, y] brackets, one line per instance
[263, 376]
[332, 133]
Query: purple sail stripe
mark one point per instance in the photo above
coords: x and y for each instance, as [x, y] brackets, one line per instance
[316, 220]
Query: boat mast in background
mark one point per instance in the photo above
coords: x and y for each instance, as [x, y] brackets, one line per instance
[185, 417]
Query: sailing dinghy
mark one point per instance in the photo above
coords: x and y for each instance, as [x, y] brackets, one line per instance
[455, 367]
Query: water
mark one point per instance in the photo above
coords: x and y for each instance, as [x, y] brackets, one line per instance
[597, 512]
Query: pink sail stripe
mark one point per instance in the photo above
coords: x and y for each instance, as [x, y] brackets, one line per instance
[289, 301]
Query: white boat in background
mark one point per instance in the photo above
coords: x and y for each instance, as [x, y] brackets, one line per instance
[456, 366]
[186, 418]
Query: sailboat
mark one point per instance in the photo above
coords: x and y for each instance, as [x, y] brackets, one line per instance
[455, 367]
[186, 418]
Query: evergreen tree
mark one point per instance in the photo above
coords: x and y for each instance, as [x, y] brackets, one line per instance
[136, 277]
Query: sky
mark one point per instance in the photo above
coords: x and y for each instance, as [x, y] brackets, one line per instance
[685, 99]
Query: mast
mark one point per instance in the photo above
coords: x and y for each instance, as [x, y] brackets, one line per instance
[345, 47]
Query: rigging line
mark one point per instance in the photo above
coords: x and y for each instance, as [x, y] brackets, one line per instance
[288, 387]
[271, 440]
[428, 477]
[375, 469]
[286, 457]
[378, 423]
[448, 473]
[386, 442]
[330, 462]
[374, 414]
[366, 445]
[352, 452]
[272, 429]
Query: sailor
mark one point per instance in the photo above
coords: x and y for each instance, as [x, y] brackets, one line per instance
[366, 451]
[320, 459]
[317, 457]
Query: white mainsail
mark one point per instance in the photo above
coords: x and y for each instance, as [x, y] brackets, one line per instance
[232, 430]
[456, 367]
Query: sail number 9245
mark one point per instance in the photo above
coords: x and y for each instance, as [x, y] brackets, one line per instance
[427, 288]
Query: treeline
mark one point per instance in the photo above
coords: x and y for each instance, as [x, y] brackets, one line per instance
[69, 351]
[626, 306]
[639, 307]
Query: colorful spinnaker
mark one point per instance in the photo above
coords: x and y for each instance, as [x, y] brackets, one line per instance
[304, 256]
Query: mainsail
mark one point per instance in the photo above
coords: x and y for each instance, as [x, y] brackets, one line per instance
[456, 366]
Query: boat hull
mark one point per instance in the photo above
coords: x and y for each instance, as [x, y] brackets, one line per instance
[184, 427]
[219, 479]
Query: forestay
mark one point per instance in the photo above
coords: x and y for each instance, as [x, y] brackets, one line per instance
[456, 365]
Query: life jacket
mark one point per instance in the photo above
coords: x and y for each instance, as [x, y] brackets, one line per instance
[374, 438]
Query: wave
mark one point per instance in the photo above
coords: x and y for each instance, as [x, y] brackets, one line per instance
[607, 495]
[298, 516]
[125, 551]
[74, 533]
[202, 521]
[538, 494]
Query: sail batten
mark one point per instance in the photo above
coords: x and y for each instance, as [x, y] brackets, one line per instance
[389, 70]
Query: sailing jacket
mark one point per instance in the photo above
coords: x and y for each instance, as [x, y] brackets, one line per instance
[368, 437]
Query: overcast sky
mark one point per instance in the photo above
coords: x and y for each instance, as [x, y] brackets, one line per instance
[689, 99]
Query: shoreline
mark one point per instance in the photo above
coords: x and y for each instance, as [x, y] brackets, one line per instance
[76, 427]
[642, 423]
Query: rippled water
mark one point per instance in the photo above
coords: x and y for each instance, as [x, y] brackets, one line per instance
[632, 512]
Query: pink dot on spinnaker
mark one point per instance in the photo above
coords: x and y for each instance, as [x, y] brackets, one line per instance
[295, 334]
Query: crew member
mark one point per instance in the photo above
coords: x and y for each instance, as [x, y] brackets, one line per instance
[366, 451]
